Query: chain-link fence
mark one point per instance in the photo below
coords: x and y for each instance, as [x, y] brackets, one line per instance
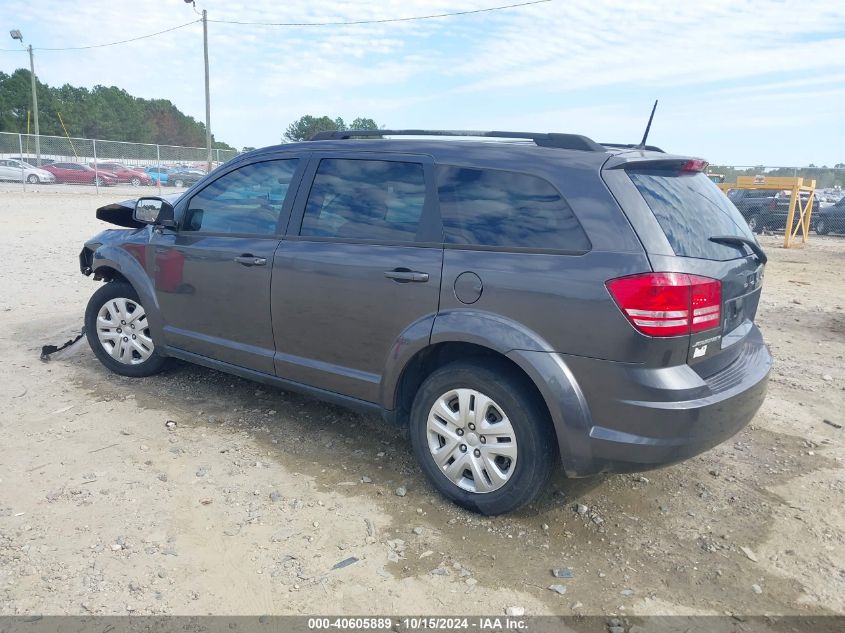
[34, 160]
[763, 193]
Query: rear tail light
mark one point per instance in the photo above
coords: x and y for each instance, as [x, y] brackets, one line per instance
[668, 304]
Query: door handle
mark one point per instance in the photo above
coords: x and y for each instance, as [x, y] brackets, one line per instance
[251, 260]
[403, 275]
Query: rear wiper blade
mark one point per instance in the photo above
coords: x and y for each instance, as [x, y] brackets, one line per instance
[736, 240]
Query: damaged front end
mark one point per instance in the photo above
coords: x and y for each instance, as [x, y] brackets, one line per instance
[120, 214]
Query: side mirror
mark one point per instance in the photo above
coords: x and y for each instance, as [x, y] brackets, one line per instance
[154, 211]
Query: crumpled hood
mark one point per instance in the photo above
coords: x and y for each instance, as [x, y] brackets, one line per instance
[120, 213]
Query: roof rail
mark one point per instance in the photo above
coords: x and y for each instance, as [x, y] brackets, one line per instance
[651, 148]
[552, 139]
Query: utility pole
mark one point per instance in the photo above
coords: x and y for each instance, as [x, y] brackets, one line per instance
[16, 35]
[207, 91]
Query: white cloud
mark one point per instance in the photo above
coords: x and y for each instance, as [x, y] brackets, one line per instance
[741, 70]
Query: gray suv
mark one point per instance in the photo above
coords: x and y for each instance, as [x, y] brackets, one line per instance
[516, 304]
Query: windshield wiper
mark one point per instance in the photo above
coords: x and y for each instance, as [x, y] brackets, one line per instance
[736, 240]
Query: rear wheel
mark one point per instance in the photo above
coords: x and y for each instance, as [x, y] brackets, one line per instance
[821, 227]
[482, 437]
[136, 182]
[178, 183]
[99, 181]
[755, 223]
[118, 331]
[33, 179]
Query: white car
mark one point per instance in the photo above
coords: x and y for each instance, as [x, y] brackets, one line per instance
[11, 169]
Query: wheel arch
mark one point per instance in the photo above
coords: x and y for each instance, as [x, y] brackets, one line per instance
[112, 263]
[462, 334]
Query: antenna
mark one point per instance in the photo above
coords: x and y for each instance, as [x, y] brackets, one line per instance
[648, 127]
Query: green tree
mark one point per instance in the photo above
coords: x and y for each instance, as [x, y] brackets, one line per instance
[104, 112]
[307, 126]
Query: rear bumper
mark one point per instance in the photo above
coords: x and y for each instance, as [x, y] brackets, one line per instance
[641, 418]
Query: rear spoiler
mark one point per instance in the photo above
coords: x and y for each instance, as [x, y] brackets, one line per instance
[651, 160]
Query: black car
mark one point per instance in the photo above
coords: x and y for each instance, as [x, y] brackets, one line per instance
[183, 177]
[830, 219]
[754, 205]
[515, 305]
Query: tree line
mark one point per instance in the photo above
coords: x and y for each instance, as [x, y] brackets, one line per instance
[103, 112]
[825, 177]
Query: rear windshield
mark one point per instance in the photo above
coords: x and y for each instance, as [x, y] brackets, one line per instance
[691, 209]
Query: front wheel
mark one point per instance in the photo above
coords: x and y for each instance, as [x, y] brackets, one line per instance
[482, 436]
[33, 179]
[118, 331]
[99, 181]
[179, 183]
[821, 227]
[755, 223]
[136, 182]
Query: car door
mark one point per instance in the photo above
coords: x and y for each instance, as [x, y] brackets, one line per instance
[212, 275]
[8, 170]
[359, 265]
[77, 173]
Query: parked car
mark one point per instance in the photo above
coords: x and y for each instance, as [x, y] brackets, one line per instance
[516, 306]
[778, 209]
[184, 177]
[830, 219]
[125, 174]
[81, 174]
[753, 204]
[157, 174]
[11, 169]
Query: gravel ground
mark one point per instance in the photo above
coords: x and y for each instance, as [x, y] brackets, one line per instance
[256, 501]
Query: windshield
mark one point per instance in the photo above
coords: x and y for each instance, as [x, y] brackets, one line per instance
[690, 209]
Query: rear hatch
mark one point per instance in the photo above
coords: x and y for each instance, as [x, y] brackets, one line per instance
[684, 211]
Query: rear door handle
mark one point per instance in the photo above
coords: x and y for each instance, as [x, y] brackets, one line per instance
[403, 275]
[251, 260]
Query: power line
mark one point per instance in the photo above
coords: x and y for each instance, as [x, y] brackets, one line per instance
[132, 39]
[302, 24]
[386, 20]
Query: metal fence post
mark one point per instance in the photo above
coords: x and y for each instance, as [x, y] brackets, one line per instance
[158, 167]
[20, 145]
[96, 172]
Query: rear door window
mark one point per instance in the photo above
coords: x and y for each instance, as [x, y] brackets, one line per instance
[504, 209]
[690, 209]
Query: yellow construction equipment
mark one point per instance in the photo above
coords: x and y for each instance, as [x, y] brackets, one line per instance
[794, 185]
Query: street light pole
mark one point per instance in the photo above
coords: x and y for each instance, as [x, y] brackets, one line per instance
[35, 108]
[207, 91]
[16, 35]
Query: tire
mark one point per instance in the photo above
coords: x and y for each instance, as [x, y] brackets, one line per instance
[33, 179]
[529, 436]
[755, 223]
[99, 181]
[133, 359]
[179, 183]
[821, 227]
[136, 182]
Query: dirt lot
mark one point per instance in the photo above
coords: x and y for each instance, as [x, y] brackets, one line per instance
[250, 501]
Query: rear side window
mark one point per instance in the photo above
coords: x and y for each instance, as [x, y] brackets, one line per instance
[690, 209]
[374, 200]
[493, 208]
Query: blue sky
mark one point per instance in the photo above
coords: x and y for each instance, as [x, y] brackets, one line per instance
[740, 82]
